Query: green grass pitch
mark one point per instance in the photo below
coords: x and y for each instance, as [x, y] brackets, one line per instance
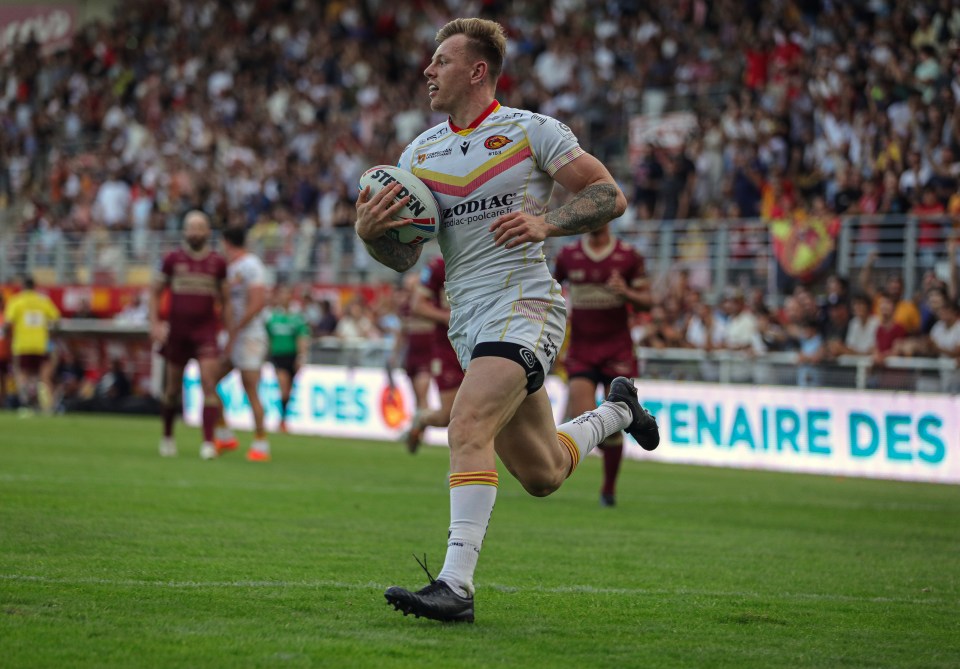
[113, 557]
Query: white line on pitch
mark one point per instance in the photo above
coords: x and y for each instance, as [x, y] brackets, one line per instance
[567, 589]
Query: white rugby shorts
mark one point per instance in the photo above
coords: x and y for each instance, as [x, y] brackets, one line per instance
[532, 314]
[249, 351]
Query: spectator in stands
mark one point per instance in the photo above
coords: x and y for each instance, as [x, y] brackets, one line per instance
[888, 333]
[945, 334]
[356, 330]
[325, 321]
[905, 311]
[69, 376]
[861, 336]
[810, 354]
[115, 384]
[136, 312]
[742, 332]
[772, 334]
[929, 212]
[707, 332]
[837, 326]
[934, 296]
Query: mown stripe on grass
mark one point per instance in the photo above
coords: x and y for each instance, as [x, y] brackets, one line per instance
[559, 590]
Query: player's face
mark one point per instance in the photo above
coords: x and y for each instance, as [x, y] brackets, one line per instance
[196, 231]
[283, 297]
[448, 75]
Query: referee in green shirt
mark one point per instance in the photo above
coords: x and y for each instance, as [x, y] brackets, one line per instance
[289, 341]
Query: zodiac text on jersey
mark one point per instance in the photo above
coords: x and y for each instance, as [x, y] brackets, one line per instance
[471, 211]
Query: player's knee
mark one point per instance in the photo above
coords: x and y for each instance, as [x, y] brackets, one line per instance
[465, 435]
[542, 483]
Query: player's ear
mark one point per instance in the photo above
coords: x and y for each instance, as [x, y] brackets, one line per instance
[480, 71]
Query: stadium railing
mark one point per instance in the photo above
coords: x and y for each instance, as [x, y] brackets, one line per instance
[915, 374]
[715, 253]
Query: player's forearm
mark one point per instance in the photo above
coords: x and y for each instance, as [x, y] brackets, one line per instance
[590, 209]
[639, 298]
[393, 254]
[153, 306]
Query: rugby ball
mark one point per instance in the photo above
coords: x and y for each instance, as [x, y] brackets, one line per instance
[422, 209]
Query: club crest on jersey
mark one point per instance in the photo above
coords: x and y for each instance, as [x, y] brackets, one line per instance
[496, 142]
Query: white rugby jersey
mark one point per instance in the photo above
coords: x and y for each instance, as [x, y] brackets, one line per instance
[503, 162]
[242, 274]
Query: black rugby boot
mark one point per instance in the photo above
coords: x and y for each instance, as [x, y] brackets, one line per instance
[644, 426]
[437, 601]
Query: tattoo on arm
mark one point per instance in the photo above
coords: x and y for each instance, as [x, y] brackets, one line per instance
[588, 210]
[393, 254]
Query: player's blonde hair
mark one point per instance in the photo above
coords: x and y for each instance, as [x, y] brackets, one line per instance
[486, 39]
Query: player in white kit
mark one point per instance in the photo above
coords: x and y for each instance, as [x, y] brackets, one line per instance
[247, 342]
[492, 170]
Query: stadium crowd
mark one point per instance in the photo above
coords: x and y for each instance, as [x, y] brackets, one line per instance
[265, 112]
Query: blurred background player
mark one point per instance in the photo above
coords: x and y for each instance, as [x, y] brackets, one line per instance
[28, 317]
[5, 356]
[247, 341]
[604, 275]
[289, 336]
[430, 302]
[196, 276]
[414, 346]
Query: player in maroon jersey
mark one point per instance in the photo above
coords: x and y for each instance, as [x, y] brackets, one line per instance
[196, 277]
[430, 302]
[603, 275]
[414, 345]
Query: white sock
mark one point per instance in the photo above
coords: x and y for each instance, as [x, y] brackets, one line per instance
[585, 432]
[472, 495]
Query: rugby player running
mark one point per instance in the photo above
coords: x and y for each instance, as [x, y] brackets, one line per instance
[507, 315]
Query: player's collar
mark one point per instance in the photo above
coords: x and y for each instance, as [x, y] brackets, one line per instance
[494, 106]
[599, 254]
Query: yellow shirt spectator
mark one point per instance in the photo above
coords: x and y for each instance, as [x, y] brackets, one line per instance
[30, 315]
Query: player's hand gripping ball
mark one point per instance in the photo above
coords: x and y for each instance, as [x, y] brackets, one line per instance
[422, 210]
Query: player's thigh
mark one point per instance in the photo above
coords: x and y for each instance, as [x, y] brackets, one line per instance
[581, 395]
[447, 398]
[491, 392]
[528, 446]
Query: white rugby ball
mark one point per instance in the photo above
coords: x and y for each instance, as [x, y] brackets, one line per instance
[422, 209]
